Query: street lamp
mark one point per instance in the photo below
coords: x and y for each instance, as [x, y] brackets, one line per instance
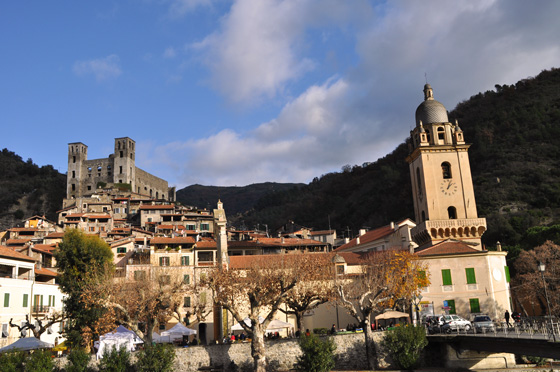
[416, 302]
[541, 269]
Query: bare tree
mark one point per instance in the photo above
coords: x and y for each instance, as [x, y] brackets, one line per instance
[383, 279]
[259, 288]
[528, 282]
[309, 294]
[41, 325]
[135, 303]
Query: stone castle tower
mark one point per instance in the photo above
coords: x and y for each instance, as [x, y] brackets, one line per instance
[86, 176]
[440, 172]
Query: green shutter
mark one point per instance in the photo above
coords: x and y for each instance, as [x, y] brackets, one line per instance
[471, 278]
[186, 279]
[6, 300]
[187, 302]
[25, 299]
[41, 302]
[506, 269]
[475, 306]
[161, 261]
[451, 304]
[446, 276]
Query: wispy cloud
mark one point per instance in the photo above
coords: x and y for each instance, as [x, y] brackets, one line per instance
[102, 68]
[169, 53]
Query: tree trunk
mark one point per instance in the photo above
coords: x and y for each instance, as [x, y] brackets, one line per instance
[150, 324]
[258, 348]
[299, 321]
[370, 346]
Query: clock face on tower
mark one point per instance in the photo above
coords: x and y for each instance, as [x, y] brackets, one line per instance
[448, 187]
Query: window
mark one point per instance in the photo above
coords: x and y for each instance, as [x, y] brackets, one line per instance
[73, 159]
[99, 168]
[471, 278]
[73, 187]
[121, 156]
[38, 302]
[51, 300]
[187, 302]
[205, 226]
[73, 174]
[452, 213]
[339, 269]
[475, 306]
[165, 279]
[185, 261]
[446, 276]
[191, 227]
[6, 300]
[139, 275]
[203, 298]
[89, 188]
[205, 257]
[506, 269]
[446, 170]
[164, 261]
[91, 229]
[187, 279]
[121, 250]
[120, 170]
[451, 305]
[25, 300]
[441, 133]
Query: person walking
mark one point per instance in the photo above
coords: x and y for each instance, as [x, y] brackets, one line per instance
[506, 316]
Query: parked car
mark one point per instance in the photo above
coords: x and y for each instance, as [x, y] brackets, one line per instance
[433, 323]
[483, 323]
[455, 323]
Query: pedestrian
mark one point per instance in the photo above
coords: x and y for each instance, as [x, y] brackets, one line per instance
[333, 329]
[307, 333]
[506, 316]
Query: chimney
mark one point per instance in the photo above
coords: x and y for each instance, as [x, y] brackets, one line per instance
[346, 240]
[499, 246]
[358, 240]
[282, 240]
[362, 232]
[392, 225]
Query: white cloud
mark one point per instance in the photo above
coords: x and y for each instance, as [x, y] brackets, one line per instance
[366, 111]
[102, 68]
[169, 53]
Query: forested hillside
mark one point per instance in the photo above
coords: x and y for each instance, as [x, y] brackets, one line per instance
[27, 189]
[515, 160]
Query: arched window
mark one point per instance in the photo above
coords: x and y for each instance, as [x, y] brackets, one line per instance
[446, 170]
[428, 136]
[419, 181]
[452, 213]
[441, 133]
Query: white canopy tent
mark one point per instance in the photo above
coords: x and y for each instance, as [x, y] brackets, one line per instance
[121, 338]
[27, 343]
[274, 325]
[176, 333]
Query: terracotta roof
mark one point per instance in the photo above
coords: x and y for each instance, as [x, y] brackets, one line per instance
[44, 248]
[370, 236]
[45, 272]
[10, 253]
[67, 208]
[90, 216]
[74, 215]
[168, 227]
[321, 232]
[287, 242]
[20, 229]
[178, 240]
[206, 244]
[55, 235]
[448, 247]
[351, 258]
[157, 206]
[243, 262]
[17, 241]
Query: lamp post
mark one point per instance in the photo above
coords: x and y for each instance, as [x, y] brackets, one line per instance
[416, 301]
[541, 269]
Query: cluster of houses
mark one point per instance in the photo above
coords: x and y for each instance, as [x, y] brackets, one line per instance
[148, 232]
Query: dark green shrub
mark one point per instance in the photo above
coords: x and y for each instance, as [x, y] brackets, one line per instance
[539, 361]
[12, 362]
[78, 360]
[159, 358]
[116, 361]
[404, 344]
[318, 354]
[320, 331]
[39, 361]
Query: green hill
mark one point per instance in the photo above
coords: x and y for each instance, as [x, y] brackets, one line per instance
[515, 160]
[27, 189]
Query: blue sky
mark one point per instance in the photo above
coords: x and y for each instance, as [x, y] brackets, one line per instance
[239, 92]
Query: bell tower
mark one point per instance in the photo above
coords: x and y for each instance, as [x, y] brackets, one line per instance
[444, 203]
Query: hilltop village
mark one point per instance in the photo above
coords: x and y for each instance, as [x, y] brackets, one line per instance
[136, 213]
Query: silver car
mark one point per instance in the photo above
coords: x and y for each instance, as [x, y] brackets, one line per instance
[455, 323]
[483, 323]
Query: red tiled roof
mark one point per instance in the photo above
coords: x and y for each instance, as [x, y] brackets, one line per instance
[287, 242]
[243, 262]
[206, 244]
[90, 216]
[10, 253]
[168, 227]
[20, 229]
[55, 235]
[322, 232]
[157, 206]
[178, 240]
[45, 272]
[448, 247]
[367, 237]
[44, 248]
[74, 215]
[17, 241]
[351, 258]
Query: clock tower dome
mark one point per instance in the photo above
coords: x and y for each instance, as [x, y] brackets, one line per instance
[444, 203]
